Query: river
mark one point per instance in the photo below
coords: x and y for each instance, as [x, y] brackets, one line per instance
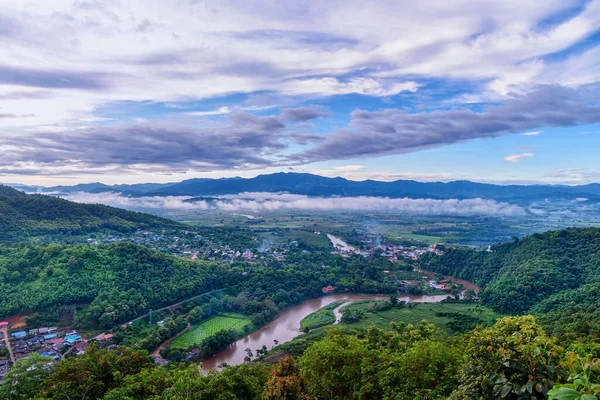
[287, 326]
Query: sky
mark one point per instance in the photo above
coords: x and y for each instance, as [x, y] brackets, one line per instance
[153, 91]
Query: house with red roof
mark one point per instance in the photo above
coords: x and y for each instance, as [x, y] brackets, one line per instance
[328, 289]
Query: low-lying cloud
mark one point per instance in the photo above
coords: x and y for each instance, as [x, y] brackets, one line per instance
[265, 202]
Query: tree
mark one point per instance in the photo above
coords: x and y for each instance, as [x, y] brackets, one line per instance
[513, 360]
[25, 379]
[286, 382]
[332, 367]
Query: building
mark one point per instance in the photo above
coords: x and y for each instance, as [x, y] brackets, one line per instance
[4, 324]
[20, 334]
[70, 339]
[328, 289]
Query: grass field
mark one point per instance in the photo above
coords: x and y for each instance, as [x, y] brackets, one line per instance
[319, 318]
[205, 329]
[455, 314]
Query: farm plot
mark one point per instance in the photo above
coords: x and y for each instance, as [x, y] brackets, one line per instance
[195, 337]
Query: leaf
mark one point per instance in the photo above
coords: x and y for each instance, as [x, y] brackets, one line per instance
[564, 393]
[505, 390]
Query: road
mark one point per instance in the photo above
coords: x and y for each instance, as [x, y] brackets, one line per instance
[8, 346]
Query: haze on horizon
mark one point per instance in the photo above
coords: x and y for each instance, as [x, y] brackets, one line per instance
[150, 91]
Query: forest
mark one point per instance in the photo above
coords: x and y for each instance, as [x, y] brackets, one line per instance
[26, 216]
[553, 275]
[403, 362]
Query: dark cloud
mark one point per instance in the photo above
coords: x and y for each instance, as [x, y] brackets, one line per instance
[52, 79]
[375, 133]
[247, 141]
[303, 113]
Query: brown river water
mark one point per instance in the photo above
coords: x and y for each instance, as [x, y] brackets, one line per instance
[286, 325]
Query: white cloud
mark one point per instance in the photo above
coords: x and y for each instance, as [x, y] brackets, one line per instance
[264, 202]
[350, 168]
[219, 111]
[140, 51]
[518, 157]
[533, 133]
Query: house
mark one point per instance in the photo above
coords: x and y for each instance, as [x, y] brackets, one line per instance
[70, 339]
[20, 334]
[4, 324]
[50, 336]
[160, 361]
[56, 343]
[80, 347]
[33, 331]
[35, 340]
[106, 337]
[328, 289]
[43, 331]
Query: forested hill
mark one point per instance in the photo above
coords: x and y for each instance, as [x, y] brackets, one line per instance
[119, 281]
[555, 275]
[23, 216]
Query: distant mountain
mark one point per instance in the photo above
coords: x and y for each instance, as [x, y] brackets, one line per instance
[24, 216]
[315, 185]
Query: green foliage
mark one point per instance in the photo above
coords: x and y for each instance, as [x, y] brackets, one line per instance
[119, 281]
[514, 359]
[26, 378]
[23, 216]
[555, 275]
[92, 375]
[322, 317]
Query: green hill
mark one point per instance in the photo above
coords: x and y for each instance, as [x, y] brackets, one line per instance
[23, 216]
[555, 275]
[119, 281]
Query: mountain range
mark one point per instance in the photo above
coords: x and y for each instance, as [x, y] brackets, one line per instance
[315, 185]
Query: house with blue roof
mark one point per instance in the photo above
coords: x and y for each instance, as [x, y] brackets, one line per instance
[70, 339]
[20, 334]
[50, 336]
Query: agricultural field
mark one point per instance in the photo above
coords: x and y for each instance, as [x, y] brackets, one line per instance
[319, 318]
[236, 322]
[452, 317]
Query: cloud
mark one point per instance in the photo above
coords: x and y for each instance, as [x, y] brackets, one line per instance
[303, 113]
[350, 168]
[532, 133]
[244, 141]
[219, 111]
[265, 202]
[515, 158]
[331, 86]
[394, 131]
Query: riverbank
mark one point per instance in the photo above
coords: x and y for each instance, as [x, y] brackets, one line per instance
[286, 326]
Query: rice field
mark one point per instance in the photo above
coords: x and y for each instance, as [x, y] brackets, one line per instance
[209, 327]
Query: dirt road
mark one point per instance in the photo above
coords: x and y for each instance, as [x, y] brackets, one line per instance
[8, 346]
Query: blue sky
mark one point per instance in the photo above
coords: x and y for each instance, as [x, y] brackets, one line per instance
[135, 91]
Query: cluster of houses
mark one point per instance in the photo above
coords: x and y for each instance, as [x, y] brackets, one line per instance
[395, 252]
[46, 341]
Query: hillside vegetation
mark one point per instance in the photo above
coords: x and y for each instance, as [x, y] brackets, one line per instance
[23, 216]
[555, 275]
[120, 281]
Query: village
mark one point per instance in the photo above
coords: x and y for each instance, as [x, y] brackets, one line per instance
[50, 342]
